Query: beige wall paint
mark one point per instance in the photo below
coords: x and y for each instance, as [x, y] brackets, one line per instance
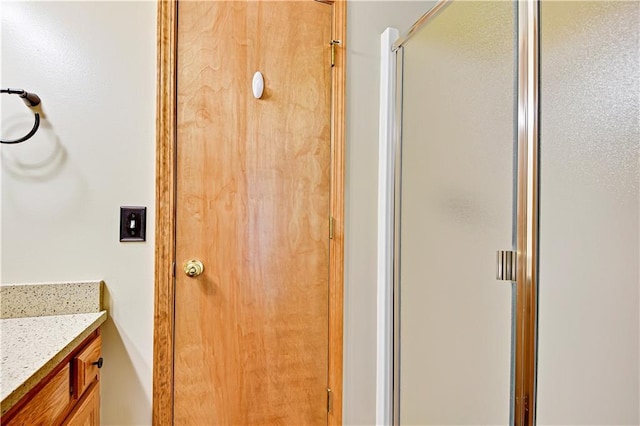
[365, 23]
[93, 65]
[588, 328]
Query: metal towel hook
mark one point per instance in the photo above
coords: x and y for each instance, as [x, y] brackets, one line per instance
[31, 100]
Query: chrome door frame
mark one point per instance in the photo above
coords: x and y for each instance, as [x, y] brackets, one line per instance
[525, 362]
[523, 404]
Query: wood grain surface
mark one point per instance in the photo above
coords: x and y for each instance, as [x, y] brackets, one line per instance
[87, 412]
[163, 326]
[48, 405]
[336, 261]
[253, 203]
[85, 371]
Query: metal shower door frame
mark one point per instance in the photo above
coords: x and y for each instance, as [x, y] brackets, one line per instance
[527, 195]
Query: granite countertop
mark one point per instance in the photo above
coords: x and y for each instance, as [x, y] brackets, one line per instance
[36, 337]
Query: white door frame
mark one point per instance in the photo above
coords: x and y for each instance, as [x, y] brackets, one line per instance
[386, 180]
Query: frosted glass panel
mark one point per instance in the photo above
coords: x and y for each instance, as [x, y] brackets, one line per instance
[588, 361]
[456, 211]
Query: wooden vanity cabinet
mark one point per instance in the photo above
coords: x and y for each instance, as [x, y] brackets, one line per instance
[87, 411]
[69, 395]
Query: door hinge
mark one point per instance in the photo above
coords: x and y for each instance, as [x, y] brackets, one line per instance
[329, 400]
[333, 43]
[506, 267]
[331, 227]
[173, 269]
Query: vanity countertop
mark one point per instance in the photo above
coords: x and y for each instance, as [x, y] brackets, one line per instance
[32, 346]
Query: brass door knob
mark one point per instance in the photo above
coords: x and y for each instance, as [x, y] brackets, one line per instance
[193, 268]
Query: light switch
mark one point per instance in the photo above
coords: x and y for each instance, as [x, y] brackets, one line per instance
[133, 224]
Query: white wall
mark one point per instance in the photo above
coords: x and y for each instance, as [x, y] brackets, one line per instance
[366, 20]
[93, 65]
[588, 328]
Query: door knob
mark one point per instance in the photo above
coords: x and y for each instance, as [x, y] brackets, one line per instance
[193, 268]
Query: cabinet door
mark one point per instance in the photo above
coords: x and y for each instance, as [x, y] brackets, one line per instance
[86, 369]
[48, 405]
[87, 412]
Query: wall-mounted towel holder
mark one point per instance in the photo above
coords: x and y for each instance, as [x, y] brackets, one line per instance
[31, 100]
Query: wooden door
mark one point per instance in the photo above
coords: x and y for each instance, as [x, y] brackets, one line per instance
[253, 187]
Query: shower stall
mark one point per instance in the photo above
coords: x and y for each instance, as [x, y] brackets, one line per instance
[509, 227]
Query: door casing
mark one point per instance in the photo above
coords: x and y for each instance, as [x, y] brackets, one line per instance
[166, 123]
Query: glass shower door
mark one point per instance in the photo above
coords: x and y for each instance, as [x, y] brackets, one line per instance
[455, 210]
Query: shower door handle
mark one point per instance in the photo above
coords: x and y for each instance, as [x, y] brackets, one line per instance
[506, 265]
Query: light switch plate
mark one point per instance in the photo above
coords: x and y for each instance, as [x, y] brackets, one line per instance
[133, 224]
